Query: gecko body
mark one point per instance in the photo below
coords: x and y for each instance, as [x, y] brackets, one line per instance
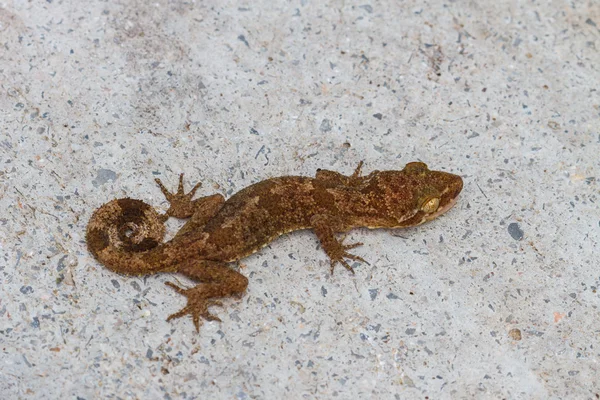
[126, 235]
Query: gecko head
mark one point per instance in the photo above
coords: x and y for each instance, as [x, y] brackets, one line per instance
[420, 195]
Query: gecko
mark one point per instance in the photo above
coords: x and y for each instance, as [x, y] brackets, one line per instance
[126, 235]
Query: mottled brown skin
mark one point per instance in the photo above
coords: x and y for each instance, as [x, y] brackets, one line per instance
[126, 234]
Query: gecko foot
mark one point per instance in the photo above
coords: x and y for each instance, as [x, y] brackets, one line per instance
[181, 204]
[339, 254]
[197, 305]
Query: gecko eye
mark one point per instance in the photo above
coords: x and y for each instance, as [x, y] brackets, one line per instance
[431, 205]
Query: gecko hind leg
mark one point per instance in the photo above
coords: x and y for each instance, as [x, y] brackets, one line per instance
[182, 206]
[197, 305]
[216, 279]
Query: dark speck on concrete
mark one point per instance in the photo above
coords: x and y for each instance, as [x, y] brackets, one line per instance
[204, 360]
[61, 263]
[373, 293]
[243, 39]
[26, 289]
[367, 8]
[323, 291]
[325, 125]
[392, 296]
[515, 231]
[410, 331]
[116, 283]
[378, 116]
[103, 176]
[26, 361]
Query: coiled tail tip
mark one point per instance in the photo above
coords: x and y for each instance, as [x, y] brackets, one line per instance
[121, 228]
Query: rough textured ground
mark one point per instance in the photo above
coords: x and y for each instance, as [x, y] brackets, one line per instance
[497, 299]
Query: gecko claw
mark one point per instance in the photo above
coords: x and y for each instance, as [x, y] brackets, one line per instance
[344, 263]
[173, 286]
[357, 171]
[352, 246]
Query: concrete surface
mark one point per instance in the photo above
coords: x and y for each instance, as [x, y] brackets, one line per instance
[497, 299]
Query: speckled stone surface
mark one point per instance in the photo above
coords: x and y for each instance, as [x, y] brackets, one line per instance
[497, 299]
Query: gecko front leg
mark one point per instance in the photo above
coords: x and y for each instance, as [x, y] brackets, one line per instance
[325, 227]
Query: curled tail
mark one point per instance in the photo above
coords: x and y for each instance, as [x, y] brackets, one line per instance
[121, 232]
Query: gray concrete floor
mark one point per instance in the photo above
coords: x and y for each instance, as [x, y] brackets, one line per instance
[497, 299]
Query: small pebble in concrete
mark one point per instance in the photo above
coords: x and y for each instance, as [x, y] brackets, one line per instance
[515, 231]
